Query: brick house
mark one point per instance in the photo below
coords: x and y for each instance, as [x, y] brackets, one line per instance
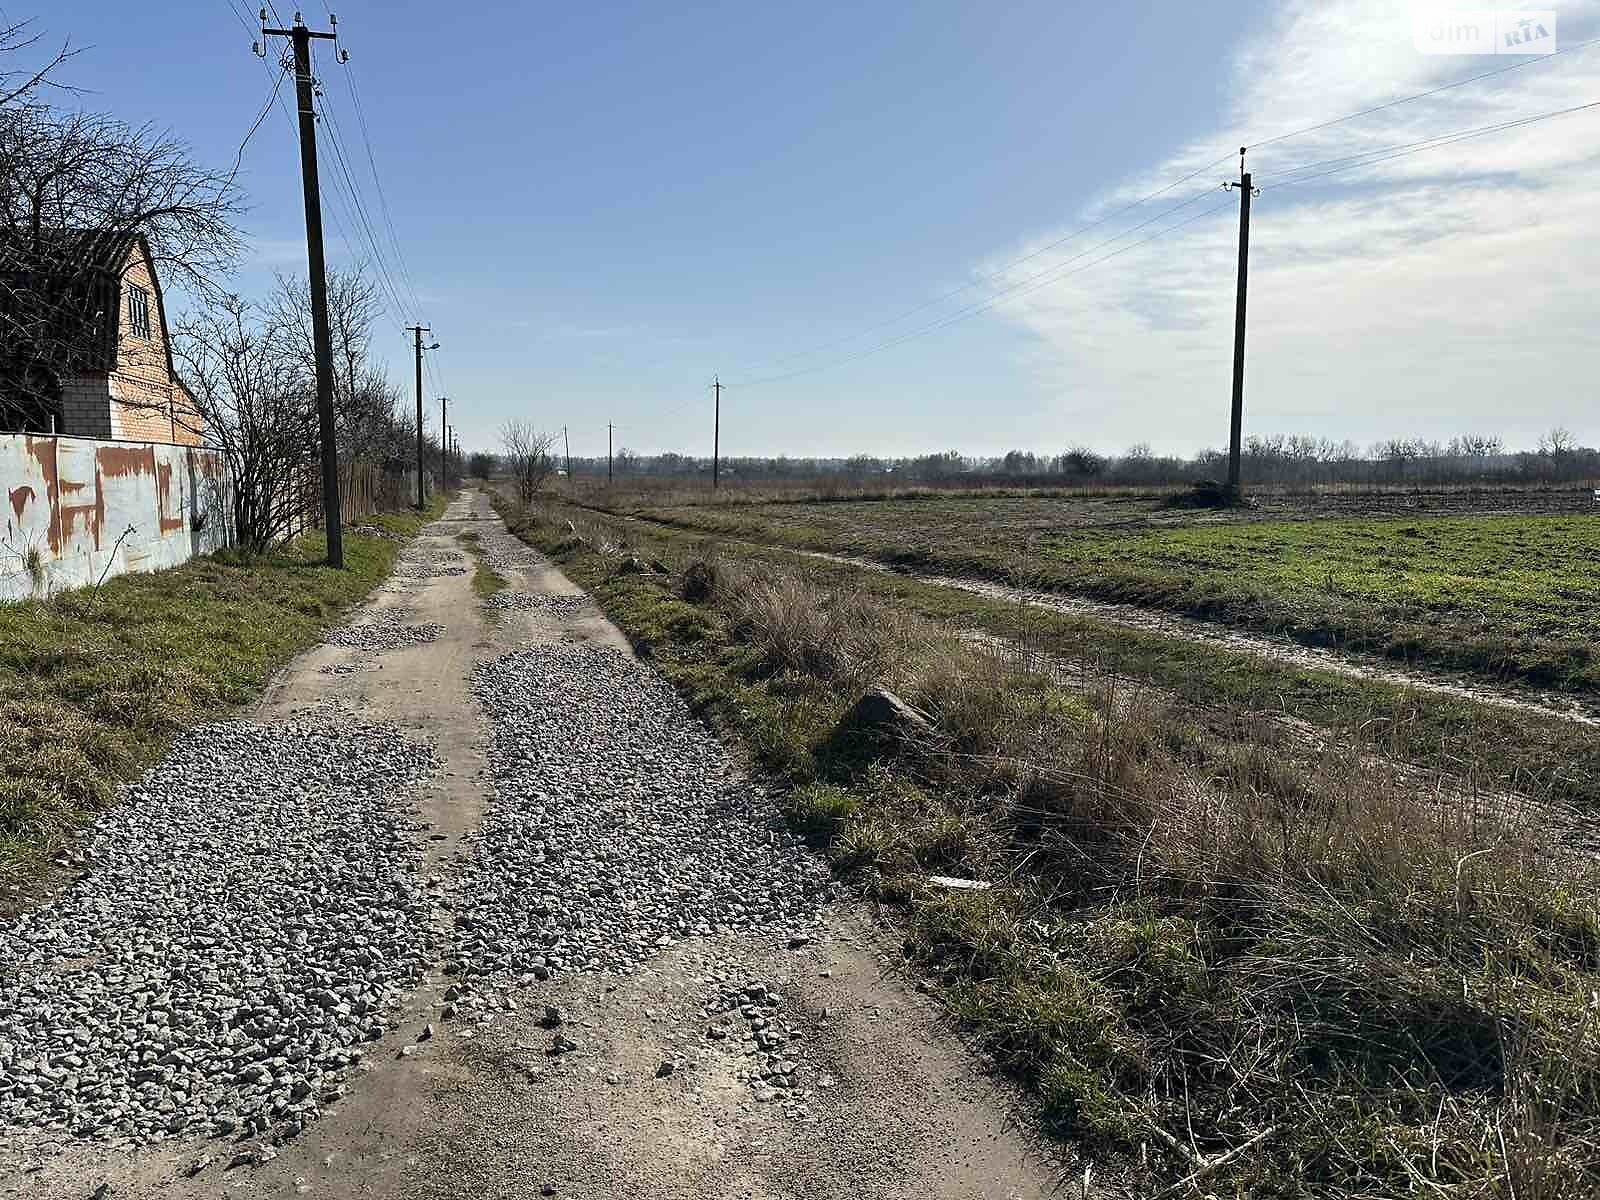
[135, 393]
[122, 383]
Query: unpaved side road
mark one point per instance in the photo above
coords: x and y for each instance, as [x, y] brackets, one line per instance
[620, 977]
[1274, 648]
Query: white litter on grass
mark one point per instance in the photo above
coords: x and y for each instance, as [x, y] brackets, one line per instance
[963, 885]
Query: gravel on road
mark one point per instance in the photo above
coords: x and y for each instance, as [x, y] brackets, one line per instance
[373, 636]
[244, 919]
[558, 607]
[504, 552]
[618, 825]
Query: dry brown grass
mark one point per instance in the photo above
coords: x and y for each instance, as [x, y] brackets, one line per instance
[1258, 935]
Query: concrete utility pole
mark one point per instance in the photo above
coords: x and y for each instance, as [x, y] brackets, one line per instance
[716, 431]
[419, 330]
[444, 434]
[316, 268]
[1236, 426]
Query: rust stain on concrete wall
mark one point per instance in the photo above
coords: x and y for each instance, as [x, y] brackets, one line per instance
[109, 508]
[91, 519]
[212, 465]
[43, 452]
[99, 504]
[117, 461]
[164, 505]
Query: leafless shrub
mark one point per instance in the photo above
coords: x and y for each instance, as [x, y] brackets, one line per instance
[370, 421]
[836, 635]
[255, 409]
[527, 457]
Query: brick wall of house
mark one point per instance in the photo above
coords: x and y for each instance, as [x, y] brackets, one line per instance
[140, 401]
[146, 402]
[141, 411]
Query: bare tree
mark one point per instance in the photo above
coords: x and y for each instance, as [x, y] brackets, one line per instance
[255, 409]
[1082, 461]
[527, 457]
[74, 189]
[1476, 445]
[1557, 444]
[367, 417]
[19, 85]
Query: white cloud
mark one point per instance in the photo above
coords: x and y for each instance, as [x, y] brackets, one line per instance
[277, 253]
[1432, 293]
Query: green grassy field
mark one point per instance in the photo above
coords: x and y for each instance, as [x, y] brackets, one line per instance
[1208, 932]
[1504, 596]
[95, 682]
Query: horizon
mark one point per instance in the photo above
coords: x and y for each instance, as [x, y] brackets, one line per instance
[1348, 451]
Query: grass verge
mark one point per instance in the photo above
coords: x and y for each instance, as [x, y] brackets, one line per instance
[485, 580]
[95, 682]
[1285, 969]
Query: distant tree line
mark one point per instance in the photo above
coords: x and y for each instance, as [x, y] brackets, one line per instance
[1282, 459]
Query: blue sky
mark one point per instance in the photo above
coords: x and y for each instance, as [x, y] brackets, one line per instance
[601, 205]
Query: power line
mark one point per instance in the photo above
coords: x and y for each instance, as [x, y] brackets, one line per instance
[1054, 274]
[1385, 153]
[1367, 112]
[353, 214]
[1282, 137]
[243, 18]
[383, 200]
[272, 99]
[364, 224]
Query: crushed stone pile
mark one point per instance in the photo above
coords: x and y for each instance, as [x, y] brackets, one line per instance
[252, 909]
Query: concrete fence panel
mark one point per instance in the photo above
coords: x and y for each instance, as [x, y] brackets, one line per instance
[79, 510]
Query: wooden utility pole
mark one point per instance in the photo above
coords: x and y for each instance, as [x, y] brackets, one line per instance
[608, 453]
[567, 450]
[716, 431]
[418, 331]
[316, 268]
[1236, 425]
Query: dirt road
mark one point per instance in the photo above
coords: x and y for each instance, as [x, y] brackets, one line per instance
[630, 982]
